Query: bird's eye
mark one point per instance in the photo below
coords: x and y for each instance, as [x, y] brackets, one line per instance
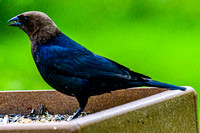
[23, 19]
[26, 18]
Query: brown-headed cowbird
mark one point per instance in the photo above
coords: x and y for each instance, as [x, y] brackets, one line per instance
[71, 68]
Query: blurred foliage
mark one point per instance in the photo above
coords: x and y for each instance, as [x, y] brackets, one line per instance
[159, 38]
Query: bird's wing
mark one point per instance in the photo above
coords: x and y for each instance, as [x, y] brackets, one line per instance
[84, 64]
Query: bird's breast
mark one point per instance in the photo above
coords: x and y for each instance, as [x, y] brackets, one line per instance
[61, 82]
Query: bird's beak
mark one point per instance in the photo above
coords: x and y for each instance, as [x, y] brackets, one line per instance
[15, 22]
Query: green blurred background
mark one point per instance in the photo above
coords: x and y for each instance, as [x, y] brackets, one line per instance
[158, 38]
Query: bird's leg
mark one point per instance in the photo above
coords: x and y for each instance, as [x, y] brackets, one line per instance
[82, 103]
[78, 112]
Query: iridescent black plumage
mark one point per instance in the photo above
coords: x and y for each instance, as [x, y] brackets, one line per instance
[72, 69]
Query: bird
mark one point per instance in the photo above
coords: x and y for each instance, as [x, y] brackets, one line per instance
[72, 69]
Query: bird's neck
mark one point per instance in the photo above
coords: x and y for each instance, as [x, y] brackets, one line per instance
[37, 44]
[42, 35]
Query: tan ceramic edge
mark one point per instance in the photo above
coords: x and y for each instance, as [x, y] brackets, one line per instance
[102, 115]
[76, 124]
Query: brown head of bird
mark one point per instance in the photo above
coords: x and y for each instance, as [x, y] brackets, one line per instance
[37, 25]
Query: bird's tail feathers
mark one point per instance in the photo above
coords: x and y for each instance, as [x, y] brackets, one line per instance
[154, 83]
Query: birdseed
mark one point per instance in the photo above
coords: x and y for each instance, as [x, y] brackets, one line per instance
[42, 117]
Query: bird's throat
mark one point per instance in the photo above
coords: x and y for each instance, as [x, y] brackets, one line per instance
[43, 35]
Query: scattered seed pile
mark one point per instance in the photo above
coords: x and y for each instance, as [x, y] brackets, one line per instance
[42, 117]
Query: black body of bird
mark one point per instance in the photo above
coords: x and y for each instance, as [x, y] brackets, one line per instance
[71, 68]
